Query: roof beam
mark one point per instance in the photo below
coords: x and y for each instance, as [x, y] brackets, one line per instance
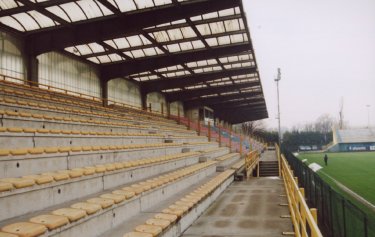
[175, 82]
[15, 10]
[245, 117]
[126, 68]
[188, 94]
[119, 25]
[219, 99]
[237, 105]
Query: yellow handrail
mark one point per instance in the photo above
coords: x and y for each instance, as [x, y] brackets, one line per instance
[303, 218]
[251, 161]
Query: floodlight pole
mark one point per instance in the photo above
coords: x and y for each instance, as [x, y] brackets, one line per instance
[278, 102]
[368, 116]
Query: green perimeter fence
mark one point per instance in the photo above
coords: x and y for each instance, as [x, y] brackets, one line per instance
[337, 216]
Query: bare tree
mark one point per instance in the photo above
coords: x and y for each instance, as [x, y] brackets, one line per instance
[324, 124]
[253, 127]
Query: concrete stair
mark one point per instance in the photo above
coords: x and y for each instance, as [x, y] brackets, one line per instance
[268, 168]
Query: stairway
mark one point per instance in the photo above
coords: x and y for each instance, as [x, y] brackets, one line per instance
[268, 168]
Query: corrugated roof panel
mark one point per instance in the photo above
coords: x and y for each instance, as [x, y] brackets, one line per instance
[125, 5]
[26, 21]
[7, 4]
[58, 11]
[74, 12]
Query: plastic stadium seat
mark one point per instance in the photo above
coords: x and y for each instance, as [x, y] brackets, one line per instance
[57, 176]
[76, 148]
[19, 182]
[64, 149]
[176, 212]
[117, 198]
[137, 191]
[103, 202]
[50, 221]
[40, 179]
[86, 170]
[136, 234]
[18, 152]
[51, 150]
[17, 130]
[110, 167]
[100, 169]
[126, 194]
[72, 173]
[29, 130]
[4, 152]
[187, 204]
[25, 229]
[151, 229]
[89, 208]
[158, 222]
[71, 213]
[4, 186]
[179, 207]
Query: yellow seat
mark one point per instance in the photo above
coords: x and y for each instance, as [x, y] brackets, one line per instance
[55, 131]
[18, 152]
[145, 187]
[29, 130]
[86, 170]
[176, 212]
[64, 149]
[86, 148]
[11, 113]
[118, 166]
[76, 148]
[50, 221]
[72, 173]
[25, 229]
[42, 130]
[110, 167]
[100, 169]
[137, 191]
[117, 198]
[179, 207]
[95, 148]
[49, 150]
[17, 130]
[104, 202]
[188, 204]
[126, 194]
[5, 186]
[57, 176]
[137, 234]
[40, 179]
[19, 182]
[72, 214]
[89, 208]
[4, 152]
[37, 116]
[151, 229]
[158, 222]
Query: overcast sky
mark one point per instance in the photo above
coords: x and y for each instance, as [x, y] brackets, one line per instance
[325, 49]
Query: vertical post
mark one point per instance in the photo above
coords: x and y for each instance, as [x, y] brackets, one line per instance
[240, 145]
[230, 138]
[199, 127]
[162, 108]
[219, 136]
[278, 102]
[178, 115]
[314, 213]
[209, 131]
[188, 125]
[32, 70]
[150, 107]
[258, 169]
[168, 110]
[104, 88]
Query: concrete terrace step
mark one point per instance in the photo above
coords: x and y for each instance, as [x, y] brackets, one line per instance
[146, 196]
[194, 200]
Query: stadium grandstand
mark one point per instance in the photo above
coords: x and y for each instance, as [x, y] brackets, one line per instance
[117, 120]
[360, 139]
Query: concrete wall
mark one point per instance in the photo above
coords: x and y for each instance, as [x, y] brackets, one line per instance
[193, 114]
[174, 106]
[64, 72]
[12, 63]
[121, 90]
[156, 98]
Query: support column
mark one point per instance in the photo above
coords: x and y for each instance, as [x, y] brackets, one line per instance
[32, 70]
[104, 89]
[144, 100]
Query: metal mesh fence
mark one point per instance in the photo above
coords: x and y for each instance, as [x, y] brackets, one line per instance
[337, 216]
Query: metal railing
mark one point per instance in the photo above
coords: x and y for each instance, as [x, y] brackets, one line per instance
[251, 162]
[304, 219]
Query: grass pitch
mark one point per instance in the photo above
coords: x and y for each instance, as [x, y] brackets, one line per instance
[355, 170]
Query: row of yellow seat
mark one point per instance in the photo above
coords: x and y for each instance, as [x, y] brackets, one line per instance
[68, 109]
[7, 184]
[54, 96]
[73, 132]
[38, 225]
[238, 164]
[66, 119]
[227, 156]
[156, 225]
[49, 150]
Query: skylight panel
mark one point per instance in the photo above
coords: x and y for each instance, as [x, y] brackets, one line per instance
[217, 27]
[42, 20]
[27, 21]
[134, 40]
[188, 32]
[226, 12]
[232, 25]
[212, 42]
[204, 29]
[11, 22]
[115, 57]
[186, 46]
[56, 10]
[161, 36]
[162, 2]
[94, 60]
[197, 44]
[138, 53]
[74, 11]
[7, 4]
[173, 48]
[175, 34]
[141, 4]
[125, 5]
[210, 15]
[224, 40]
[93, 9]
[150, 51]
